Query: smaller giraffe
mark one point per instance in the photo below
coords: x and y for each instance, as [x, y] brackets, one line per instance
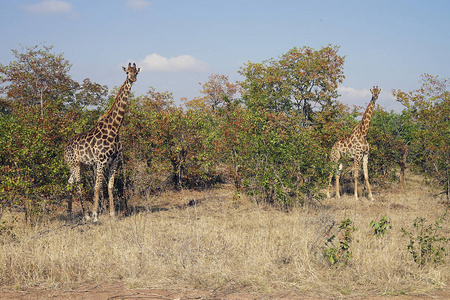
[356, 147]
[100, 146]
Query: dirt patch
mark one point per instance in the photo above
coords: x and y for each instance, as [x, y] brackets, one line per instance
[118, 291]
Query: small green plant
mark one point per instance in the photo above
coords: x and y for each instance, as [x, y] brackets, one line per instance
[425, 243]
[380, 228]
[340, 255]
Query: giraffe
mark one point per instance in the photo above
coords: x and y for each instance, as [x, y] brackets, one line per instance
[100, 147]
[355, 146]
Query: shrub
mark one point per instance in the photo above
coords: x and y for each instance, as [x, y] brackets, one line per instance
[340, 254]
[426, 245]
[380, 228]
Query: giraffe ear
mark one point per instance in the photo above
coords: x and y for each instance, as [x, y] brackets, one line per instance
[139, 69]
[124, 69]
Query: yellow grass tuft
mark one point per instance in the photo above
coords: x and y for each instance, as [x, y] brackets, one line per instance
[216, 243]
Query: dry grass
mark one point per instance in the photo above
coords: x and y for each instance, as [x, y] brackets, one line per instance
[218, 244]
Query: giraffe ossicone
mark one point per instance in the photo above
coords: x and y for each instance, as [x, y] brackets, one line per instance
[100, 147]
[356, 147]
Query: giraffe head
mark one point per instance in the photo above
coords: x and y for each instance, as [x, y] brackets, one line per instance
[132, 72]
[375, 92]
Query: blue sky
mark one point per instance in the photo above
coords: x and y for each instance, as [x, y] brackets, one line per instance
[180, 43]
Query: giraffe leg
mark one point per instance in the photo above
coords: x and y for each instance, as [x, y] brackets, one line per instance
[70, 200]
[355, 174]
[330, 178]
[112, 174]
[98, 185]
[74, 180]
[84, 211]
[366, 176]
[334, 158]
[337, 176]
[338, 194]
[329, 185]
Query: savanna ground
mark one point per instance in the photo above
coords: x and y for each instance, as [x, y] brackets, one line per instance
[205, 245]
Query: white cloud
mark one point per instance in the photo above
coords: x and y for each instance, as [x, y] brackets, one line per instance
[137, 4]
[353, 96]
[183, 63]
[49, 6]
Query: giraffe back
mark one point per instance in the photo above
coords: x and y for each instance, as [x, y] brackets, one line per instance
[352, 146]
[93, 146]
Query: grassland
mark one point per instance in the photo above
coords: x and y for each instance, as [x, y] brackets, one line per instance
[205, 241]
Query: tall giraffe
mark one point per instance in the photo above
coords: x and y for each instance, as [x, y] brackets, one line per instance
[100, 146]
[355, 146]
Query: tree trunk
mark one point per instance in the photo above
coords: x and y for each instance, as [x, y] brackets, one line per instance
[403, 166]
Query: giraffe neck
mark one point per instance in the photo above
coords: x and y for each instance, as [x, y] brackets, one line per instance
[365, 121]
[115, 114]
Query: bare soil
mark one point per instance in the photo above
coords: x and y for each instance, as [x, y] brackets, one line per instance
[118, 291]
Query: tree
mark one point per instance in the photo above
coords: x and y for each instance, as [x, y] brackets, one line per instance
[391, 136]
[303, 79]
[39, 77]
[145, 135]
[224, 128]
[313, 77]
[429, 108]
[263, 87]
[41, 108]
[172, 140]
[287, 100]
[218, 91]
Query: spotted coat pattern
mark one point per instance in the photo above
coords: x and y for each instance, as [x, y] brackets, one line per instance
[100, 147]
[356, 147]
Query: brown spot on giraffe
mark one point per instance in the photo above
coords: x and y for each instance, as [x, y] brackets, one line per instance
[100, 146]
[356, 146]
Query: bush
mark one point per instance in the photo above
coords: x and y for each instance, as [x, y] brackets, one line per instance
[341, 254]
[380, 228]
[426, 245]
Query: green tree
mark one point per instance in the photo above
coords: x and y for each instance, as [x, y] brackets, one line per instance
[218, 91]
[174, 142]
[40, 103]
[39, 77]
[303, 79]
[284, 162]
[391, 136]
[224, 128]
[287, 101]
[429, 108]
[147, 135]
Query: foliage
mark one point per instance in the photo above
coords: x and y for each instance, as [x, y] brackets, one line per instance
[39, 77]
[218, 91]
[391, 138]
[285, 159]
[169, 140]
[32, 136]
[337, 121]
[272, 142]
[426, 245]
[429, 108]
[380, 228]
[304, 80]
[342, 254]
